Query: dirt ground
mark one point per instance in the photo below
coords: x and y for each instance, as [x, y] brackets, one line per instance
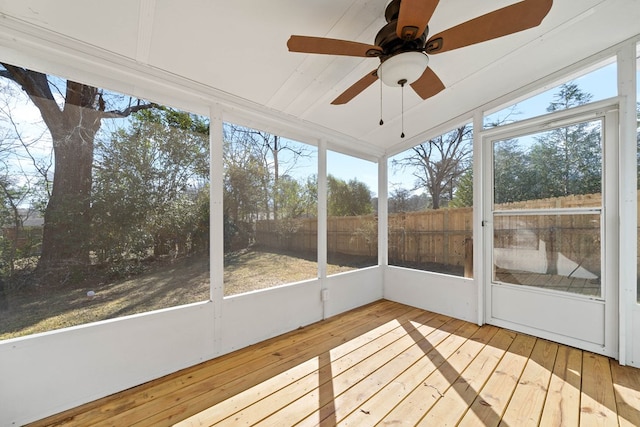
[33, 309]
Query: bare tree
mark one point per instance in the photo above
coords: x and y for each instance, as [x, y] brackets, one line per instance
[438, 164]
[269, 148]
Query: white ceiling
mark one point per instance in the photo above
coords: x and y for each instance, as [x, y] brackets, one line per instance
[238, 47]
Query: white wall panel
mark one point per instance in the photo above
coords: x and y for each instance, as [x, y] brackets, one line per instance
[256, 316]
[449, 295]
[44, 374]
[353, 289]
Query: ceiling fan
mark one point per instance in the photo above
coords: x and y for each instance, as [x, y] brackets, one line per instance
[402, 46]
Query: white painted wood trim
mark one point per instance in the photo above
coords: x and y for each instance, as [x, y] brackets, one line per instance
[611, 233]
[478, 211]
[216, 222]
[322, 210]
[322, 225]
[383, 211]
[627, 261]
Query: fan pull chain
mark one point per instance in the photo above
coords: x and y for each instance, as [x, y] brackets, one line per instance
[402, 83]
[381, 121]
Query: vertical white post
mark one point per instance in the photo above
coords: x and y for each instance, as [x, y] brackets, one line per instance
[322, 222]
[627, 261]
[216, 223]
[478, 212]
[383, 215]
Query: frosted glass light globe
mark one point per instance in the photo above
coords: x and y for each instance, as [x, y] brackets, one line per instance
[407, 66]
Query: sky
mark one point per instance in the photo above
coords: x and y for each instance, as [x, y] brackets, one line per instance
[601, 84]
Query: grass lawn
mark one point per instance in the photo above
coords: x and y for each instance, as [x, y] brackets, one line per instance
[38, 309]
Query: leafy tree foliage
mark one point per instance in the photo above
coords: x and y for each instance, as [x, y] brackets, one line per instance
[463, 195]
[11, 223]
[350, 198]
[244, 179]
[402, 200]
[148, 181]
[511, 174]
[297, 198]
[561, 162]
[556, 163]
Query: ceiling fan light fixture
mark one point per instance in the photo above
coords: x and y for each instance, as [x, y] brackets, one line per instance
[403, 68]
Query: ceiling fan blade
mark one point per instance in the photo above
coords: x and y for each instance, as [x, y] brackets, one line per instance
[327, 46]
[413, 17]
[356, 88]
[428, 84]
[508, 20]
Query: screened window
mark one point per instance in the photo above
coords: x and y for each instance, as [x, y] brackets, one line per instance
[431, 205]
[104, 204]
[352, 223]
[270, 210]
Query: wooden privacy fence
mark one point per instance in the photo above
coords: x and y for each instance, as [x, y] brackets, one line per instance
[444, 236]
[436, 236]
[414, 237]
[349, 235]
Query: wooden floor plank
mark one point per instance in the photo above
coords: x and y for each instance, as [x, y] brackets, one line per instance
[106, 411]
[562, 404]
[438, 384]
[527, 402]
[488, 407]
[597, 400]
[626, 384]
[456, 400]
[383, 364]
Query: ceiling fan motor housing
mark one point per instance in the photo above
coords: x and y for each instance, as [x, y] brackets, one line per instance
[388, 40]
[391, 44]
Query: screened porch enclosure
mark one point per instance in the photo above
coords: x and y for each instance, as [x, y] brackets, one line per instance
[230, 245]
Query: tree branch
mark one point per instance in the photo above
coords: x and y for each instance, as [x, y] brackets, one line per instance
[118, 114]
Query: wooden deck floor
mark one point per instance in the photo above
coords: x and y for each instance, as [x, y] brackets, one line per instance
[384, 364]
[556, 282]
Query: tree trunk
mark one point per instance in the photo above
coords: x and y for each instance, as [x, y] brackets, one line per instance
[435, 197]
[4, 303]
[67, 218]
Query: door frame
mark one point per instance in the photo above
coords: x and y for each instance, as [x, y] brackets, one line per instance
[605, 308]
